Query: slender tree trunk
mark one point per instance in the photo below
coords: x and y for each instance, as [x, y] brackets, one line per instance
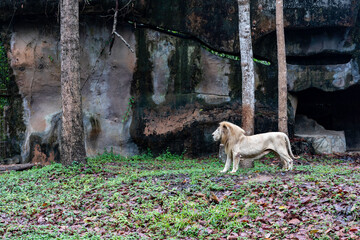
[247, 67]
[282, 72]
[72, 142]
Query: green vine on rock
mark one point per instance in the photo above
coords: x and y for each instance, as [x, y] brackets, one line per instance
[128, 110]
[204, 46]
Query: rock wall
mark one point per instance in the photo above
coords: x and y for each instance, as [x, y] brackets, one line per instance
[185, 94]
[106, 82]
[173, 91]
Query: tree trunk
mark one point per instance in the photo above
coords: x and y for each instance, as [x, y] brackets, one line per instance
[72, 142]
[282, 72]
[247, 67]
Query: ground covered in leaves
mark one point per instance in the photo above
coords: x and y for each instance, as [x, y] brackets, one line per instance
[170, 197]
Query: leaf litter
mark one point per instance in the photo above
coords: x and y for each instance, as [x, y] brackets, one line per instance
[159, 199]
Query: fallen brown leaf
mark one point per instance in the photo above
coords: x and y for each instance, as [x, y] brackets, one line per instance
[233, 236]
[214, 198]
[294, 221]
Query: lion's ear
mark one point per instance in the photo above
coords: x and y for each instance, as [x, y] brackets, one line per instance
[225, 128]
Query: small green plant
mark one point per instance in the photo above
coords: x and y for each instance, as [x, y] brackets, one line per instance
[143, 157]
[128, 110]
[51, 58]
[167, 155]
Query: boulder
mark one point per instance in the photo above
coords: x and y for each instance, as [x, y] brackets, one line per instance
[323, 141]
[222, 154]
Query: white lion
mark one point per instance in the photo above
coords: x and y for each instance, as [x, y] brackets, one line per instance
[239, 147]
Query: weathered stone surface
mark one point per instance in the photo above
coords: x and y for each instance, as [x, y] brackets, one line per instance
[201, 19]
[13, 160]
[40, 158]
[163, 49]
[337, 110]
[322, 59]
[106, 90]
[327, 78]
[301, 146]
[106, 81]
[222, 154]
[44, 147]
[188, 128]
[195, 96]
[180, 90]
[214, 89]
[302, 14]
[48, 8]
[323, 141]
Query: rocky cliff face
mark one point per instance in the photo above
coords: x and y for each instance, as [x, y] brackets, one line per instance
[106, 82]
[173, 91]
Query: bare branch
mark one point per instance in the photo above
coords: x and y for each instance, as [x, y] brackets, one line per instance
[125, 5]
[115, 16]
[113, 33]
[128, 45]
[114, 26]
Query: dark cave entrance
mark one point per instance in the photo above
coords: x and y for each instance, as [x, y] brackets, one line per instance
[339, 110]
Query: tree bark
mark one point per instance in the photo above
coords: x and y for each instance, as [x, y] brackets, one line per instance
[72, 144]
[282, 72]
[247, 67]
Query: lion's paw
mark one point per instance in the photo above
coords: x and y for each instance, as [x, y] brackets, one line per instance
[222, 171]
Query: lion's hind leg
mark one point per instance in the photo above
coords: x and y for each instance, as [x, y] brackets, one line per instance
[291, 163]
[287, 161]
[236, 161]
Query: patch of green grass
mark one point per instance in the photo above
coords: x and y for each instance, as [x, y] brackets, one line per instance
[170, 197]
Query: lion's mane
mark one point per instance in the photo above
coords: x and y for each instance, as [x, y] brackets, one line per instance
[231, 134]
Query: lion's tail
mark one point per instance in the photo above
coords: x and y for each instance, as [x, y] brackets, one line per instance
[287, 140]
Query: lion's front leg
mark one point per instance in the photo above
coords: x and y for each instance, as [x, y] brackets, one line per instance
[227, 164]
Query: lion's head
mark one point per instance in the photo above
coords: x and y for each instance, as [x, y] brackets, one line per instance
[227, 131]
[217, 134]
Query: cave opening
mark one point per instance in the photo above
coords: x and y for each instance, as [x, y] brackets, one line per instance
[338, 110]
